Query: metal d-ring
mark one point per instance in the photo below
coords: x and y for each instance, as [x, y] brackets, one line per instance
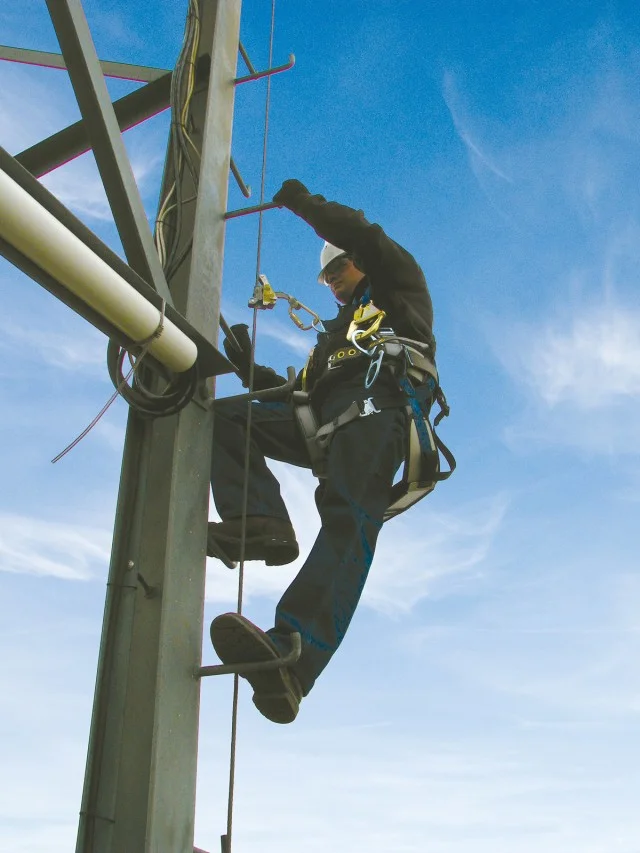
[375, 367]
[358, 333]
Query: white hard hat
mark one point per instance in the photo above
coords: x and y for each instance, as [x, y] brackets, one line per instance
[329, 253]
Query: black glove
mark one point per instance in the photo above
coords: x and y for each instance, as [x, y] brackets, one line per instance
[239, 358]
[290, 194]
[263, 377]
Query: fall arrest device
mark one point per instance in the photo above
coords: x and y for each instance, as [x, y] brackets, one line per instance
[411, 368]
[265, 297]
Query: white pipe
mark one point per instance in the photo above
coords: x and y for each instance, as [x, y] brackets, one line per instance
[35, 232]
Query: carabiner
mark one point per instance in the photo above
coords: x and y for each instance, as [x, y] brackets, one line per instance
[366, 314]
[296, 305]
[376, 361]
[359, 333]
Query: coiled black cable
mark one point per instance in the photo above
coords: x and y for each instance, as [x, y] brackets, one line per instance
[178, 392]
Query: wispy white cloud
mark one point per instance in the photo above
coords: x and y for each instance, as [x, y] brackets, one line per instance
[578, 674]
[480, 161]
[32, 106]
[32, 546]
[557, 640]
[73, 352]
[579, 161]
[579, 363]
[598, 140]
[480, 793]
[118, 26]
[431, 554]
[589, 360]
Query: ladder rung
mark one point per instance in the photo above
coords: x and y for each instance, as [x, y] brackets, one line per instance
[259, 666]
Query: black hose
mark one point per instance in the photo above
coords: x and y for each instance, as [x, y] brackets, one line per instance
[177, 393]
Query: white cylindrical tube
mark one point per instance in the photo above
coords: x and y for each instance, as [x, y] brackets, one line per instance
[35, 232]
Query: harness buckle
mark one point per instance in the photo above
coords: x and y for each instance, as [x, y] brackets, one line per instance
[369, 408]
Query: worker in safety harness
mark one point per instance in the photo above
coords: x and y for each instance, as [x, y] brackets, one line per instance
[371, 375]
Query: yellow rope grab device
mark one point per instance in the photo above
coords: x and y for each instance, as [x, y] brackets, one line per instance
[265, 297]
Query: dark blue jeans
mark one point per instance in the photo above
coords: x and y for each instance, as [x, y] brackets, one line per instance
[363, 458]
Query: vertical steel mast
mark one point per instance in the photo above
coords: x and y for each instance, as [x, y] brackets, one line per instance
[139, 790]
[140, 779]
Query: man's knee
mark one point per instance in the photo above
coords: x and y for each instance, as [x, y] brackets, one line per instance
[227, 411]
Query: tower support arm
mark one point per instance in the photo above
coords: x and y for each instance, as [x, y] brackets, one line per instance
[100, 120]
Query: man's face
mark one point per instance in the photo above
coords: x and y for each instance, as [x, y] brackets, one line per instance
[342, 276]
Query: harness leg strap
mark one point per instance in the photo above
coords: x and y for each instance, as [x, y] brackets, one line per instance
[308, 424]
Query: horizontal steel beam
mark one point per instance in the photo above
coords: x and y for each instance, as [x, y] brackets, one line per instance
[121, 70]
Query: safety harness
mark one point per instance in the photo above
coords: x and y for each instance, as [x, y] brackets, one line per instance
[411, 369]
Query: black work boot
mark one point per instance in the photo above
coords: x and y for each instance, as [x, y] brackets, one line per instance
[270, 539]
[276, 692]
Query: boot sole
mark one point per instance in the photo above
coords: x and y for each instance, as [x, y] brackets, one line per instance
[274, 552]
[235, 642]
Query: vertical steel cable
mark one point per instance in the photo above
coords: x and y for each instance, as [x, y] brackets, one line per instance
[245, 485]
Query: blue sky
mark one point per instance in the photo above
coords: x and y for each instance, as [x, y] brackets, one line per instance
[487, 697]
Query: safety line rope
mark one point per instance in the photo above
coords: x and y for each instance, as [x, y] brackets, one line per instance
[245, 485]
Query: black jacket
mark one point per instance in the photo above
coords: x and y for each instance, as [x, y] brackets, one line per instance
[395, 282]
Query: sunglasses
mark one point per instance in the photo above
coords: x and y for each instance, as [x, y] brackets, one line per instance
[336, 266]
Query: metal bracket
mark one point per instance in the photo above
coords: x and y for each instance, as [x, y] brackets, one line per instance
[150, 591]
[245, 211]
[245, 56]
[257, 75]
[244, 189]
[221, 554]
[261, 666]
